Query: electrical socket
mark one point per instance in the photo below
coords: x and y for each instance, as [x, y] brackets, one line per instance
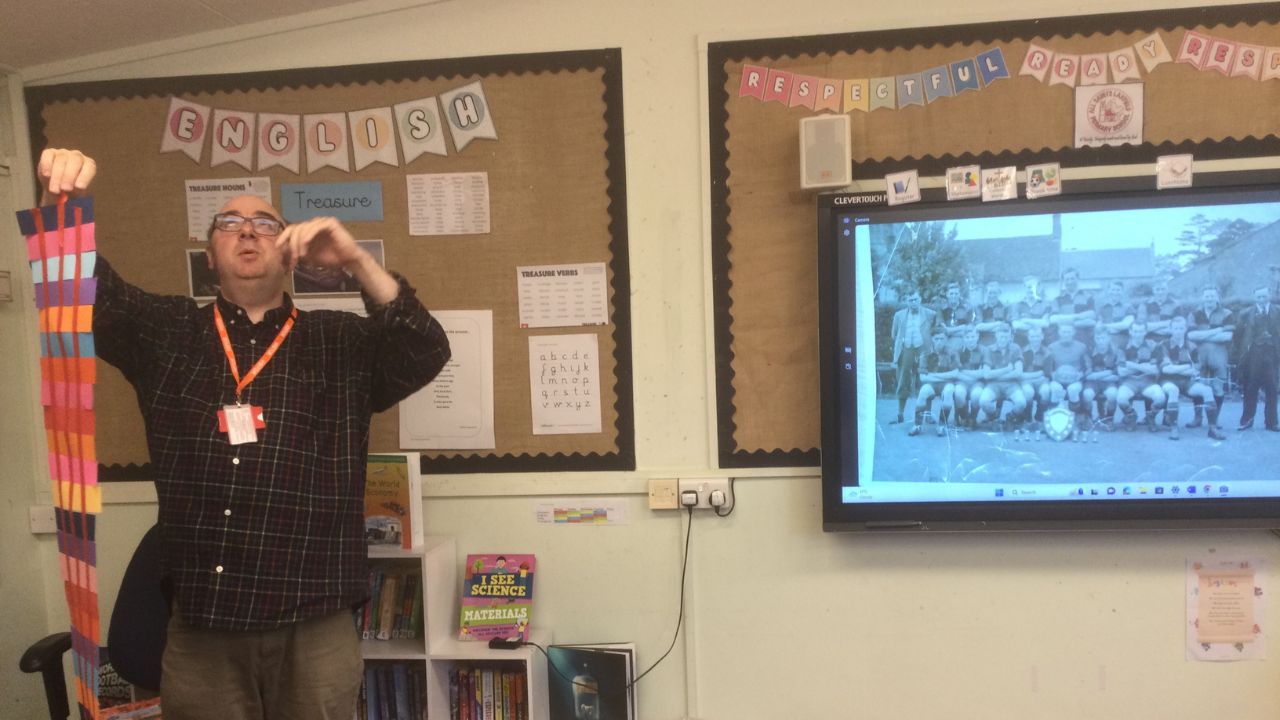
[42, 519]
[664, 494]
[704, 487]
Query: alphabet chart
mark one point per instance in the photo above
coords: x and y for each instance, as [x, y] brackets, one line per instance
[564, 384]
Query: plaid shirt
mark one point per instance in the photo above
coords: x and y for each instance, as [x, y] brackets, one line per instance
[263, 534]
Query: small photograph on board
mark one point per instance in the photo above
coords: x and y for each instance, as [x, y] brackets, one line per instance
[202, 282]
[316, 280]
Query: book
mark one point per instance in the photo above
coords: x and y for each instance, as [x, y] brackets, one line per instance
[400, 691]
[592, 680]
[387, 604]
[140, 710]
[373, 703]
[497, 597]
[393, 501]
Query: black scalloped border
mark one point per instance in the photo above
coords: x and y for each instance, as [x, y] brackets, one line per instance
[609, 60]
[719, 53]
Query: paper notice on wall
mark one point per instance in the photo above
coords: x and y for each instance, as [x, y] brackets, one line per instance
[563, 295]
[206, 197]
[575, 511]
[1225, 609]
[455, 411]
[449, 203]
[564, 384]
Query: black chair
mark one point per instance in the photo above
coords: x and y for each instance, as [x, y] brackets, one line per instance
[136, 637]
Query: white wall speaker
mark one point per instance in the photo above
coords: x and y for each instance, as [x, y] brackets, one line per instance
[824, 152]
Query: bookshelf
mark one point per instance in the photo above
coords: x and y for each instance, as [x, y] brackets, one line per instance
[438, 646]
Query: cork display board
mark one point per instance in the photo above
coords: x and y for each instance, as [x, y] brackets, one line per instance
[1079, 91]
[544, 131]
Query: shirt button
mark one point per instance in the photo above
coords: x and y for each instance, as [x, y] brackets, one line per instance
[218, 569]
[227, 512]
[253, 341]
[235, 461]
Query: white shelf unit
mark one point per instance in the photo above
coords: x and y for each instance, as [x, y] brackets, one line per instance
[439, 647]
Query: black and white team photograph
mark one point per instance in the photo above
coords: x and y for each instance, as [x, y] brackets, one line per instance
[1136, 346]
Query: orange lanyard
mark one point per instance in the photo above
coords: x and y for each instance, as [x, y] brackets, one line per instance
[242, 383]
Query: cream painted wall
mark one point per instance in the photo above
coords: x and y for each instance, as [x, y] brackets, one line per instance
[782, 620]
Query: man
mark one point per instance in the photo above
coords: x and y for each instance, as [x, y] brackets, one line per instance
[937, 380]
[1070, 365]
[954, 316]
[1139, 371]
[1071, 299]
[1100, 382]
[1037, 366]
[991, 313]
[968, 388]
[1116, 313]
[1211, 328]
[1002, 371]
[1162, 305]
[1031, 310]
[261, 524]
[911, 331]
[1258, 346]
[1178, 379]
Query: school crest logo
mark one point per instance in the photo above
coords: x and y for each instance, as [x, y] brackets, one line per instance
[1110, 111]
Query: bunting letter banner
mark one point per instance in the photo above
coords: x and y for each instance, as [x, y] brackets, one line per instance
[1271, 64]
[1194, 49]
[233, 138]
[753, 77]
[1093, 69]
[937, 83]
[1222, 53]
[828, 95]
[804, 91]
[420, 128]
[1037, 62]
[185, 128]
[373, 137]
[326, 137]
[1152, 51]
[777, 86]
[910, 90]
[1064, 70]
[883, 93]
[468, 113]
[1124, 65]
[856, 95]
[992, 66]
[964, 76]
[280, 141]
[1248, 61]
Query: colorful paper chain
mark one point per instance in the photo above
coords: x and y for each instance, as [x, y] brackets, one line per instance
[62, 251]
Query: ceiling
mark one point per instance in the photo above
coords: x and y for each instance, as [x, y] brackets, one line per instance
[38, 33]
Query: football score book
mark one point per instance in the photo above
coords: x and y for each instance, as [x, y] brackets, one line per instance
[393, 501]
[591, 681]
[497, 597]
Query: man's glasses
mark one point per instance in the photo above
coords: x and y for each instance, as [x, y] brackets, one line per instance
[264, 226]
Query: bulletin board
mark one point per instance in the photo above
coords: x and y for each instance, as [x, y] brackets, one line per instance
[992, 94]
[552, 151]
